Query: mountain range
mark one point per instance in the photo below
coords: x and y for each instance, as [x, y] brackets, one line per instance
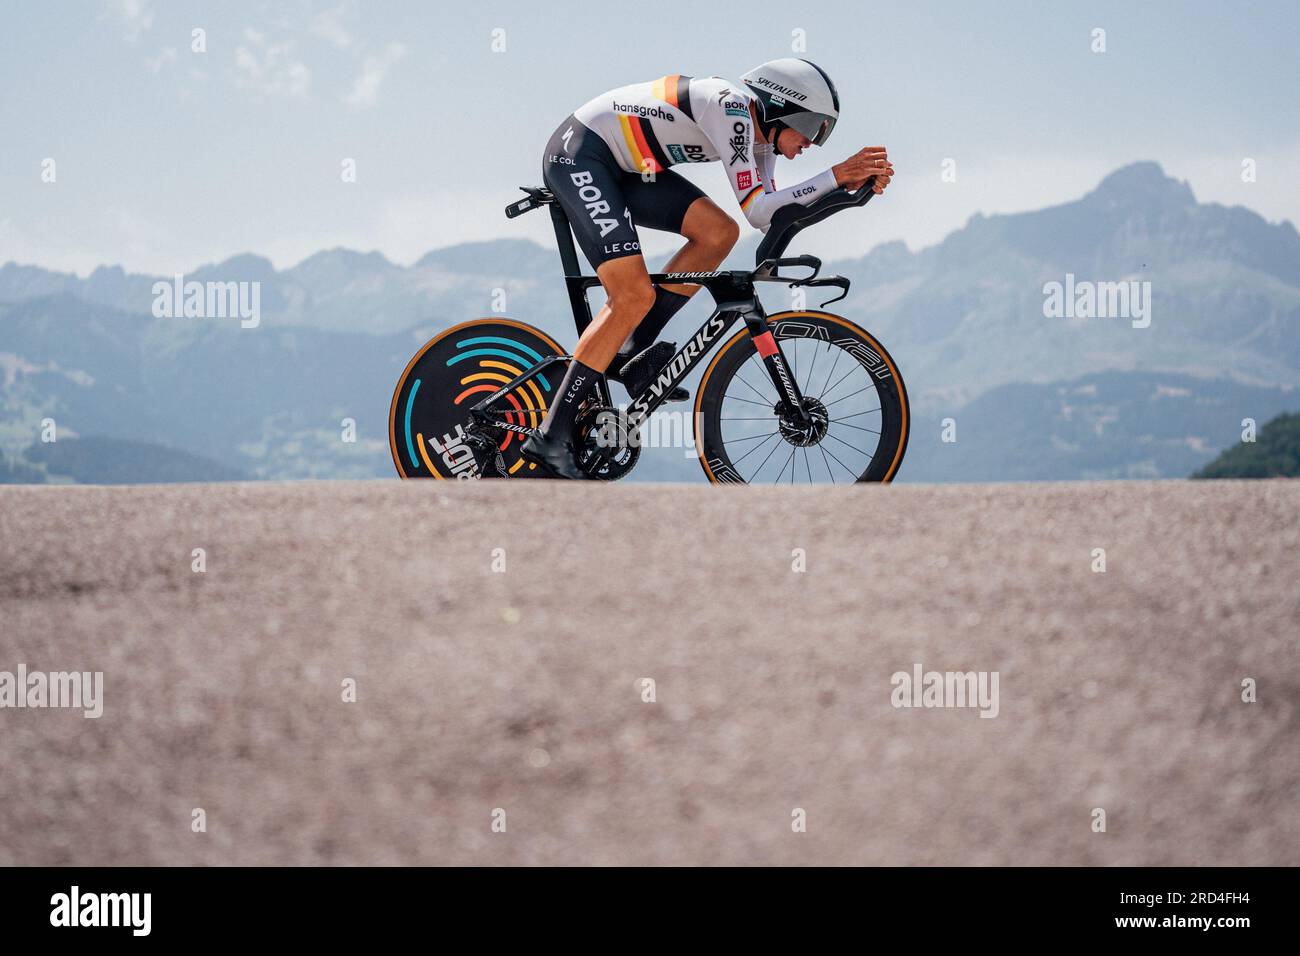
[1031, 396]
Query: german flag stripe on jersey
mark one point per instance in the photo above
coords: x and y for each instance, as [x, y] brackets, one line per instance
[750, 197]
[647, 154]
[641, 156]
[652, 142]
[675, 90]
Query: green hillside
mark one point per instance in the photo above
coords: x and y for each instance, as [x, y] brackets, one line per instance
[1274, 454]
[112, 461]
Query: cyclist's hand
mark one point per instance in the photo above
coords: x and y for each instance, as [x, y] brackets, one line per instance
[862, 165]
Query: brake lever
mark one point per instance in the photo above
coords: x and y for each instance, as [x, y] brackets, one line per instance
[839, 282]
[842, 285]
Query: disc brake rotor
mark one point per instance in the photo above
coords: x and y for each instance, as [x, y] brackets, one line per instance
[804, 434]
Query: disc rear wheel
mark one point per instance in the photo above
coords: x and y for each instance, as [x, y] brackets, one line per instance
[430, 429]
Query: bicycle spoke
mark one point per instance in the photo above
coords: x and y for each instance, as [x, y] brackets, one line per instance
[827, 394]
[847, 397]
[769, 455]
[752, 450]
[842, 465]
[763, 374]
[753, 389]
[847, 445]
[838, 353]
[807, 466]
[860, 428]
[857, 414]
[810, 370]
[735, 398]
[727, 441]
[828, 464]
[793, 449]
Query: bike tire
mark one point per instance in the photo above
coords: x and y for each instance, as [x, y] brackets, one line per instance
[448, 375]
[724, 445]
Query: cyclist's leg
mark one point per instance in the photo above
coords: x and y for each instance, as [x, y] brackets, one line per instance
[589, 186]
[672, 203]
[629, 295]
[710, 236]
[586, 181]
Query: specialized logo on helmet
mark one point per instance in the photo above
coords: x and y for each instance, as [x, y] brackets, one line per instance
[778, 88]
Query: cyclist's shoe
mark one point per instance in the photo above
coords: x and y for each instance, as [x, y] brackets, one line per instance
[557, 457]
[639, 372]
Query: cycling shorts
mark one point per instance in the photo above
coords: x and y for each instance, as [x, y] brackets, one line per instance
[605, 203]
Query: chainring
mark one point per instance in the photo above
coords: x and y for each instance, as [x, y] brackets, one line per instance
[606, 451]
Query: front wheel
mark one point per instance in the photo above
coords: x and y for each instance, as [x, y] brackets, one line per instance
[852, 393]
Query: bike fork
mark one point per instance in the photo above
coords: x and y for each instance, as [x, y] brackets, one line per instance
[773, 359]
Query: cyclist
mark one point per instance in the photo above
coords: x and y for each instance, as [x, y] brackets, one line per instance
[608, 168]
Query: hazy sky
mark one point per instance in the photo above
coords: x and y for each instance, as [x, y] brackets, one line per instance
[166, 158]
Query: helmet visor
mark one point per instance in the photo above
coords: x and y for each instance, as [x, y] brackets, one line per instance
[816, 126]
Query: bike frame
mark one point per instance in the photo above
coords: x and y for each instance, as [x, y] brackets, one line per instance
[735, 300]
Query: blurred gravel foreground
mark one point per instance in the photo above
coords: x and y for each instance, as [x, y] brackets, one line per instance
[641, 675]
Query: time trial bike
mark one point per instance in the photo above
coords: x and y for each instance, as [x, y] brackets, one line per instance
[798, 396]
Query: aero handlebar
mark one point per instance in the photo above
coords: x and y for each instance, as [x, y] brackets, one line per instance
[791, 219]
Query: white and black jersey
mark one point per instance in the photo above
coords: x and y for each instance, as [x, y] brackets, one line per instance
[676, 119]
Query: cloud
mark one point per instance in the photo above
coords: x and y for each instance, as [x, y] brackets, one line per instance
[166, 55]
[134, 16]
[329, 26]
[270, 68]
[365, 91]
